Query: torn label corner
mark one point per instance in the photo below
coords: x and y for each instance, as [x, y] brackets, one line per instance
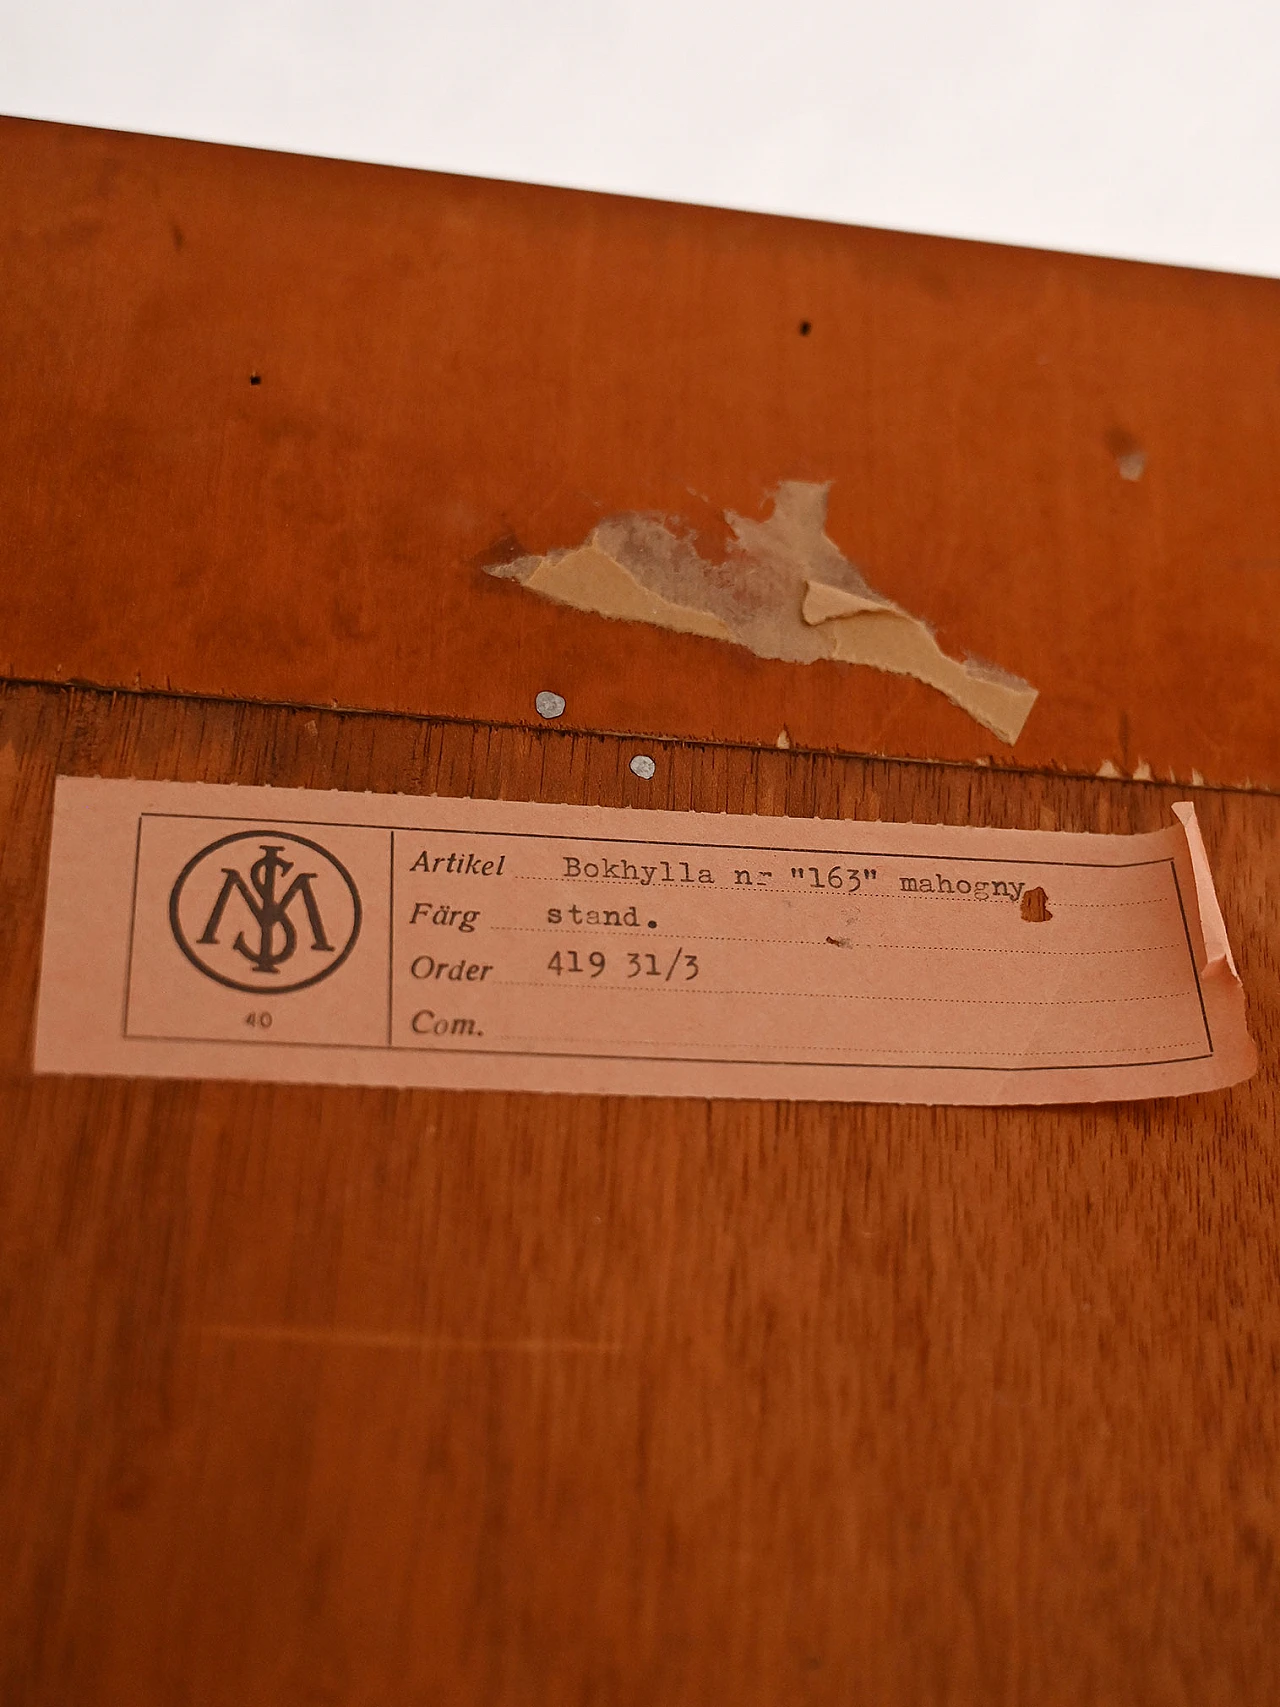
[1217, 948]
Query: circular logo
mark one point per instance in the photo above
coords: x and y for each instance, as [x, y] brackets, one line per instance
[265, 911]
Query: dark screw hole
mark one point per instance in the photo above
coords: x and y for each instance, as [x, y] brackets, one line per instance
[805, 328]
[255, 379]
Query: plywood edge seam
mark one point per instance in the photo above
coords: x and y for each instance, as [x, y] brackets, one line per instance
[332, 708]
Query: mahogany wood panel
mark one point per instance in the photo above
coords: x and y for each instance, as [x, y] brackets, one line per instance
[451, 369]
[405, 1399]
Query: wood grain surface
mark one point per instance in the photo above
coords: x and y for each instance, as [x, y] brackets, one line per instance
[397, 1399]
[450, 370]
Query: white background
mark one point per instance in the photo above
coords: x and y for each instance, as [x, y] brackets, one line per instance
[1122, 127]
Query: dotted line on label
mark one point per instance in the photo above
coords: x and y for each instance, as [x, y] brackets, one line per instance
[830, 1048]
[817, 942]
[692, 987]
[845, 892]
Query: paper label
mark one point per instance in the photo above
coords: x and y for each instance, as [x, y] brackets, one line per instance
[208, 931]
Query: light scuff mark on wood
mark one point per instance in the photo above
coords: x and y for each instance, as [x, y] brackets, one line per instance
[785, 590]
[1131, 458]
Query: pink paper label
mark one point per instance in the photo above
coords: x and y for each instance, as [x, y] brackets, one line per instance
[201, 930]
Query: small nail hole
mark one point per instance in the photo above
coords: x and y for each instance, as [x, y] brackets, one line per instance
[255, 379]
[805, 328]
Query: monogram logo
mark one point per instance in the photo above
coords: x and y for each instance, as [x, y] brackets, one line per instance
[265, 910]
